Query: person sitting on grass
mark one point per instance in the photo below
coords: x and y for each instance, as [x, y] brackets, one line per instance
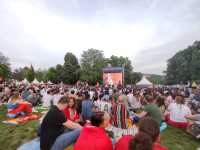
[194, 127]
[151, 109]
[146, 139]
[16, 106]
[57, 132]
[120, 114]
[93, 136]
[87, 107]
[176, 113]
[70, 111]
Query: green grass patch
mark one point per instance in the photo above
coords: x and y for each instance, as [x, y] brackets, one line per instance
[11, 137]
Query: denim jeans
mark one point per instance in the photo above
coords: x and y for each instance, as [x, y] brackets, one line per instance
[66, 139]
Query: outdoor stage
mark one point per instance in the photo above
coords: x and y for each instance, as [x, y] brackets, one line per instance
[113, 75]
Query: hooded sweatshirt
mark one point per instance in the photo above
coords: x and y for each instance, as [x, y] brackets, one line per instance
[93, 138]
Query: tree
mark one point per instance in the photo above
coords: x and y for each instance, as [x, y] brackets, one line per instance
[70, 71]
[40, 75]
[60, 73]
[135, 77]
[29, 73]
[18, 74]
[92, 63]
[52, 75]
[184, 65]
[126, 64]
[5, 71]
[156, 79]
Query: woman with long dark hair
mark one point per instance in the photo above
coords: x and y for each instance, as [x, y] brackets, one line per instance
[70, 111]
[146, 139]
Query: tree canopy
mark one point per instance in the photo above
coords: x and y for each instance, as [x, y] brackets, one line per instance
[126, 64]
[89, 69]
[71, 69]
[184, 65]
[5, 71]
[92, 62]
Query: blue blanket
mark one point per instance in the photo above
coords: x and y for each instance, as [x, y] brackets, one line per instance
[32, 145]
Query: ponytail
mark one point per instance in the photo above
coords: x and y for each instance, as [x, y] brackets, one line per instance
[142, 141]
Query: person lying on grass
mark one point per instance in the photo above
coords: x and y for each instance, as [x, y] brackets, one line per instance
[57, 132]
[146, 139]
[16, 106]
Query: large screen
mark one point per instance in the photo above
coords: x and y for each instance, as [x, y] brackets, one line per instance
[112, 78]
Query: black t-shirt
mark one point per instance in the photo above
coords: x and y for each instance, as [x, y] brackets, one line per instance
[51, 127]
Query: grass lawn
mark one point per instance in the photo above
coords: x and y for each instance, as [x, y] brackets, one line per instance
[12, 137]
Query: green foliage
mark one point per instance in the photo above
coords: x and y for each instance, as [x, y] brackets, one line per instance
[135, 77]
[52, 75]
[29, 73]
[184, 65]
[70, 71]
[92, 62]
[40, 75]
[126, 64]
[157, 79]
[12, 137]
[4, 71]
[18, 74]
[21, 73]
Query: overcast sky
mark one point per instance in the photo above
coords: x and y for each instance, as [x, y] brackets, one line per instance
[149, 32]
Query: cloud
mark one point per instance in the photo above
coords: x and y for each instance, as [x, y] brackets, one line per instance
[154, 60]
[147, 31]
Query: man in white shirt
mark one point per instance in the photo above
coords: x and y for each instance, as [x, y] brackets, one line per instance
[47, 99]
[133, 102]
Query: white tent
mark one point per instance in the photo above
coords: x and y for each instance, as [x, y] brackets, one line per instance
[144, 82]
[35, 81]
[25, 81]
[49, 82]
[41, 82]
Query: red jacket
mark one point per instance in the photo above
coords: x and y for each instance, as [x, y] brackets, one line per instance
[67, 114]
[123, 144]
[93, 138]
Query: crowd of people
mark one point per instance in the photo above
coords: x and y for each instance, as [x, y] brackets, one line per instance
[104, 117]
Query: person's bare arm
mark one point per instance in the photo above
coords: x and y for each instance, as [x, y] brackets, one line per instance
[192, 117]
[142, 114]
[72, 125]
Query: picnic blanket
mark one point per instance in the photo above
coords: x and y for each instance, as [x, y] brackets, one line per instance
[35, 145]
[20, 120]
[119, 132]
[32, 145]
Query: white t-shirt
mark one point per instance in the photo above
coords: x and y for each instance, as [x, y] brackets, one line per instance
[46, 99]
[56, 98]
[133, 102]
[104, 106]
[178, 112]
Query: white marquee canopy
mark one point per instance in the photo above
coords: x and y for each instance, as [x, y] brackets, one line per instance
[144, 82]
